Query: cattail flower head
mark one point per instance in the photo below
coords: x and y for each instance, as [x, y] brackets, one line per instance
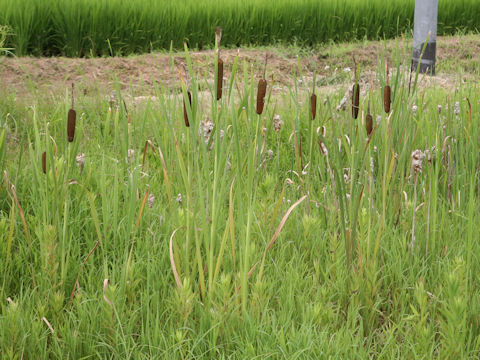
[261, 92]
[369, 123]
[313, 106]
[417, 161]
[387, 91]
[185, 113]
[277, 123]
[356, 100]
[44, 162]
[72, 115]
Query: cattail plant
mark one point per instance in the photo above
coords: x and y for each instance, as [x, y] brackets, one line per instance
[313, 100]
[387, 91]
[262, 90]
[355, 93]
[72, 116]
[44, 162]
[218, 37]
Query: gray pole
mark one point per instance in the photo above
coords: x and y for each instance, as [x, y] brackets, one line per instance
[425, 26]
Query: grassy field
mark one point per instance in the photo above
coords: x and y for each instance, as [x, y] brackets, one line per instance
[120, 27]
[243, 235]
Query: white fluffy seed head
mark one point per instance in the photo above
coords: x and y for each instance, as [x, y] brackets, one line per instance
[277, 123]
[151, 200]
[414, 110]
[417, 161]
[456, 108]
[80, 160]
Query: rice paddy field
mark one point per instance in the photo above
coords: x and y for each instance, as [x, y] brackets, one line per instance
[120, 27]
[267, 202]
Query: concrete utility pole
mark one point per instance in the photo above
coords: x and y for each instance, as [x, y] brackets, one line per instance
[425, 26]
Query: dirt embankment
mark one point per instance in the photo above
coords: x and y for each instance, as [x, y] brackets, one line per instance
[137, 74]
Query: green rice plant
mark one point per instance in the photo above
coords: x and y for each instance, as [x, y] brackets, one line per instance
[119, 27]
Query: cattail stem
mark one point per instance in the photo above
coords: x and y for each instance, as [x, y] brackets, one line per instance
[412, 243]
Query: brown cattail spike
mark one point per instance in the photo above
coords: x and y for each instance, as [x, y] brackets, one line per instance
[355, 100]
[219, 79]
[262, 90]
[386, 98]
[71, 121]
[369, 122]
[387, 92]
[218, 39]
[72, 115]
[185, 114]
[313, 105]
[44, 162]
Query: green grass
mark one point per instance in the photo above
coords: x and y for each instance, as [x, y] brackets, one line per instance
[338, 279]
[119, 27]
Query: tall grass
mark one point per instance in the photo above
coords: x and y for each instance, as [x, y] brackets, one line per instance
[260, 242]
[114, 27]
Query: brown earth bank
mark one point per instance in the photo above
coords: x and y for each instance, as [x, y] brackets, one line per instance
[457, 60]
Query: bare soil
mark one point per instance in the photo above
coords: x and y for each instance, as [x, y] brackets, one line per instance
[23, 76]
